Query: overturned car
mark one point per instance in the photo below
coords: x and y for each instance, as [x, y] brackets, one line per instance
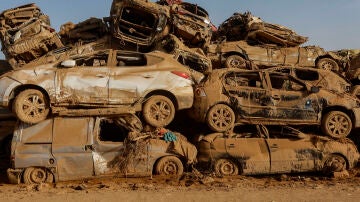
[61, 149]
[252, 150]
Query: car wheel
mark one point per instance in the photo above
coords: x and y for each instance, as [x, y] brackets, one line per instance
[221, 118]
[235, 61]
[169, 165]
[226, 167]
[334, 163]
[31, 106]
[159, 111]
[336, 124]
[327, 64]
[34, 175]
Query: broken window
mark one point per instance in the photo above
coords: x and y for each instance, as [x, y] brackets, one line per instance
[282, 82]
[130, 59]
[110, 131]
[236, 79]
[137, 22]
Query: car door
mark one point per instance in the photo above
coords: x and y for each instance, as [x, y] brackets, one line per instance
[247, 93]
[71, 137]
[110, 154]
[85, 83]
[250, 149]
[290, 100]
[130, 77]
[291, 153]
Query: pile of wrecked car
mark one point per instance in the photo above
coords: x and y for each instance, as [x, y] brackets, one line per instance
[97, 98]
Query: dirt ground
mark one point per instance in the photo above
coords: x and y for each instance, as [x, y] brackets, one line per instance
[308, 187]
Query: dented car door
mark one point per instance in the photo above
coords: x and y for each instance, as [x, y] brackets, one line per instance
[291, 100]
[252, 152]
[86, 83]
[292, 154]
[71, 149]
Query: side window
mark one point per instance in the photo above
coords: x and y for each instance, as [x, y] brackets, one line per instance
[110, 131]
[246, 79]
[92, 61]
[282, 82]
[307, 75]
[130, 59]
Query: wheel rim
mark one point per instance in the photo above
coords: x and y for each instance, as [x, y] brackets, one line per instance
[236, 63]
[170, 168]
[160, 111]
[33, 106]
[327, 65]
[339, 125]
[226, 168]
[221, 118]
[336, 164]
[38, 175]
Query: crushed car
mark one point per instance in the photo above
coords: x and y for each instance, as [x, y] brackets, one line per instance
[254, 150]
[76, 148]
[245, 26]
[103, 82]
[241, 54]
[26, 34]
[229, 96]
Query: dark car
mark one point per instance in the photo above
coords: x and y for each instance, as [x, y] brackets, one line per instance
[231, 96]
[252, 150]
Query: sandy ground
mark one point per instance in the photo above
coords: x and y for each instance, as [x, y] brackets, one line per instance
[189, 188]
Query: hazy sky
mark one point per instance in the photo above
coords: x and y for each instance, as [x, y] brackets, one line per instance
[331, 24]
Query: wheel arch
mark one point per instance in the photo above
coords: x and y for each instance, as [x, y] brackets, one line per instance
[228, 54]
[329, 56]
[348, 112]
[163, 156]
[337, 154]
[165, 93]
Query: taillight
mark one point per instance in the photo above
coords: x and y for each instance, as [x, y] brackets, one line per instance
[181, 74]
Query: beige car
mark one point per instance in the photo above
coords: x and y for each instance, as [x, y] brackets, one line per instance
[106, 82]
[239, 54]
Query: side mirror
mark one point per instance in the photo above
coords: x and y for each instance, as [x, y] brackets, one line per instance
[314, 89]
[68, 63]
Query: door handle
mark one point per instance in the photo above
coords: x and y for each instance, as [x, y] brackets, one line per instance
[275, 97]
[148, 76]
[100, 75]
[274, 146]
[231, 146]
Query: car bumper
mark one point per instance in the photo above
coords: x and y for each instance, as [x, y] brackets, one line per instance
[184, 97]
[14, 175]
[356, 112]
[199, 110]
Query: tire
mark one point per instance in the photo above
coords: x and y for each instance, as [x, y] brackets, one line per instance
[334, 163]
[226, 167]
[169, 166]
[34, 175]
[336, 124]
[235, 61]
[159, 111]
[328, 64]
[31, 106]
[220, 118]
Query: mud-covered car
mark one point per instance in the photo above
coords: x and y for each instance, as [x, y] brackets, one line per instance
[26, 34]
[229, 96]
[237, 54]
[104, 82]
[252, 150]
[139, 22]
[192, 24]
[75, 148]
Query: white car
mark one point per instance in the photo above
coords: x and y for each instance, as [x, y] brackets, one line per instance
[106, 82]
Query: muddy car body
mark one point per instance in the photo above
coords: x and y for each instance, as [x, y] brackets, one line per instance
[61, 149]
[192, 24]
[272, 98]
[252, 151]
[107, 81]
[235, 54]
[16, 16]
[139, 22]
